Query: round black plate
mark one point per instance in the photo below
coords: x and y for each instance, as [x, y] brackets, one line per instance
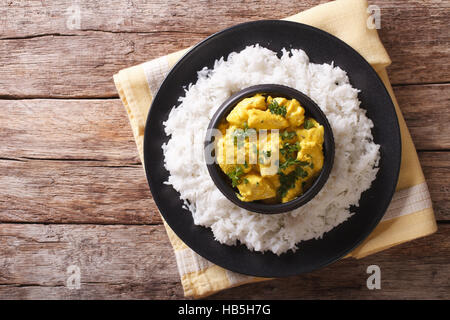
[321, 47]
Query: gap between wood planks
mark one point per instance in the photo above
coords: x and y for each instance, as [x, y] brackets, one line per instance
[80, 33]
[115, 96]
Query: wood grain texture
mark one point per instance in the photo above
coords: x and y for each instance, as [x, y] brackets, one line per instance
[53, 59]
[75, 192]
[95, 192]
[114, 261]
[425, 109]
[136, 262]
[75, 161]
[436, 167]
[415, 270]
[99, 129]
[69, 163]
[78, 65]
[67, 129]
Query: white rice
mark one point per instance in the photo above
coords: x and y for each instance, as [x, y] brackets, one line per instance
[355, 163]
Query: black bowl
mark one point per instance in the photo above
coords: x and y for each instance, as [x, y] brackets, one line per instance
[223, 182]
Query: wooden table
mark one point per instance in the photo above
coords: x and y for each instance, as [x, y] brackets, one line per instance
[73, 193]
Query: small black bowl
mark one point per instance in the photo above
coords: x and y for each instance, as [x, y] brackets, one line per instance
[222, 181]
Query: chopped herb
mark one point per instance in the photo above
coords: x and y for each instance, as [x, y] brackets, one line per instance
[288, 163]
[287, 181]
[245, 164]
[288, 149]
[304, 163]
[308, 124]
[300, 172]
[245, 180]
[275, 108]
[239, 135]
[287, 135]
[235, 175]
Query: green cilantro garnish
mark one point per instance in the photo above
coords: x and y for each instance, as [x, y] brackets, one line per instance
[288, 149]
[308, 124]
[289, 162]
[235, 175]
[239, 135]
[287, 181]
[275, 108]
[287, 135]
[300, 172]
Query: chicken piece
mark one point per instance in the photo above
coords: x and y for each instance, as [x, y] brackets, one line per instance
[311, 142]
[269, 155]
[295, 114]
[281, 101]
[254, 187]
[228, 165]
[293, 192]
[266, 120]
[275, 181]
[312, 153]
[314, 134]
[239, 114]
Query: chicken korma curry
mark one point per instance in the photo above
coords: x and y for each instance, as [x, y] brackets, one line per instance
[269, 149]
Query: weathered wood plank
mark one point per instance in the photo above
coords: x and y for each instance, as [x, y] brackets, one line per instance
[78, 65]
[436, 167]
[137, 262]
[67, 129]
[99, 129]
[142, 16]
[412, 32]
[52, 59]
[425, 109]
[75, 192]
[415, 270]
[114, 261]
[95, 192]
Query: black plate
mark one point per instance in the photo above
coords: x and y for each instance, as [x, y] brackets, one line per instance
[321, 47]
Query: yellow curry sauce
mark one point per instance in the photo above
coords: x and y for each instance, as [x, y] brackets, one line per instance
[299, 141]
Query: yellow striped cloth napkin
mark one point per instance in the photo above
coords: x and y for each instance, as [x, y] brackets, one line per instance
[410, 214]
